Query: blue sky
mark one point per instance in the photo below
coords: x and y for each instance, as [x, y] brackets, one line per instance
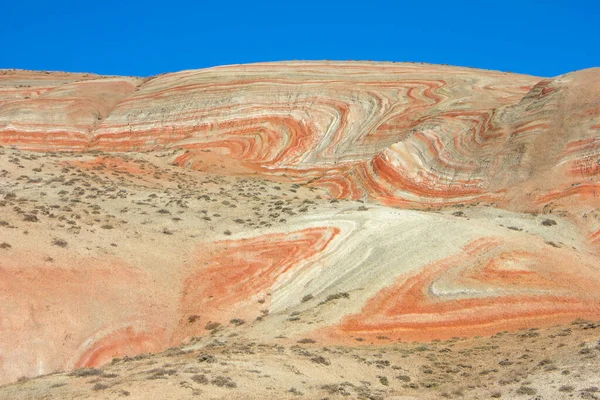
[544, 38]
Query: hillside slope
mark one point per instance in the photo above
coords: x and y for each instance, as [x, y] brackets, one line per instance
[349, 203]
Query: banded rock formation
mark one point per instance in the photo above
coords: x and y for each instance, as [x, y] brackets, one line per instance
[337, 201]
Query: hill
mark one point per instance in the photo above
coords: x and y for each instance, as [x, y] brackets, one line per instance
[352, 204]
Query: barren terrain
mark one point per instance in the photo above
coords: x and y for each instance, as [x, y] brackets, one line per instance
[307, 229]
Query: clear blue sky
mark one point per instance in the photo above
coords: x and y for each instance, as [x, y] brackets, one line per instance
[544, 38]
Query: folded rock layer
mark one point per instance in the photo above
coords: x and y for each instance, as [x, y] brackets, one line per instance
[347, 202]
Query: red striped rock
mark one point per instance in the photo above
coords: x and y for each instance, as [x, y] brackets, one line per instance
[237, 274]
[200, 210]
[491, 285]
[342, 124]
[56, 111]
[22, 85]
[402, 134]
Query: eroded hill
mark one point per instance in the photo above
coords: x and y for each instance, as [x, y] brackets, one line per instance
[353, 204]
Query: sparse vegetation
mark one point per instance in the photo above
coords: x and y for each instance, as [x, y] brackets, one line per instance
[566, 388]
[336, 296]
[84, 372]
[526, 390]
[94, 209]
[320, 360]
[160, 373]
[30, 218]
[59, 242]
[307, 341]
[306, 298]
[224, 381]
[207, 358]
[211, 326]
[200, 378]
[100, 386]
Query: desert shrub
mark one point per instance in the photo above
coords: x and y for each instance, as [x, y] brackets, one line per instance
[210, 326]
[30, 218]
[566, 388]
[591, 389]
[526, 390]
[82, 372]
[100, 386]
[320, 360]
[200, 378]
[307, 298]
[59, 242]
[207, 358]
[224, 381]
[160, 373]
[336, 296]
[335, 389]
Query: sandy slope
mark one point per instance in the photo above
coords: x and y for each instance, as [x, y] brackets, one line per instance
[553, 363]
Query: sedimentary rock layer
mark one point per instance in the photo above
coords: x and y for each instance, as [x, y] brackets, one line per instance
[398, 133]
[325, 200]
[402, 134]
[56, 111]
